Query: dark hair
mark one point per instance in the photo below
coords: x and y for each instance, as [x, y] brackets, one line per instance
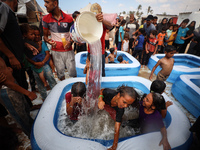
[78, 89]
[185, 21]
[155, 17]
[126, 35]
[170, 48]
[120, 58]
[142, 30]
[128, 90]
[158, 86]
[171, 25]
[175, 25]
[123, 22]
[154, 32]
[112, 50]
[164, 28]
[106, 54]
[157, 100]
[74, 15]
[150, 17]
[25, 28]
[34, 27]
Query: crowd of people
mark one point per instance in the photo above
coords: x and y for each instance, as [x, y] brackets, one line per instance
[23, 50]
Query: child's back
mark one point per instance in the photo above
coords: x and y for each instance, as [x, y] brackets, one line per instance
[112, 55]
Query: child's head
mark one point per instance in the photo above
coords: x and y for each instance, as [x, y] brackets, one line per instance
[27, 32]
[78, 89]
[127, 29]
[141, 31]
[171, 27]
[164, 29]
[155, 19]
[123, 22]
[75, 14]
[126, 36]
[153, 33]
[169, 51]
[36, 32]
[112, 50]
[153, 101]
[184, 23]
[120, 58]
[126, 96]
[175, 27]
[158, 86]
[106, 54]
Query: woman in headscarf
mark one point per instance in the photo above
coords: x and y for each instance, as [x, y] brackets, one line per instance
[161, 25]
[169, 23]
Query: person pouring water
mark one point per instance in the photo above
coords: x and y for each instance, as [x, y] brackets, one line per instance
[115, 101]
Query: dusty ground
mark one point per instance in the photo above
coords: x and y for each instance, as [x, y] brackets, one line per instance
[144, 72]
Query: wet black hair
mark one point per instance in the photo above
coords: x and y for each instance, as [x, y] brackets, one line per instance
[120, 58]
[158, 86]
[128, 90]
[154, 32]
[142, 30]
[74, 15]
[78, 89]
[170, 48]
[157, 101]
[106, 54]
[112, 50]
[185, 21]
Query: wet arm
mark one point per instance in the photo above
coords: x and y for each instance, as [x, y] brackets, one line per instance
[154, 68]
[101, 103]
[116, 136]
[164, 140]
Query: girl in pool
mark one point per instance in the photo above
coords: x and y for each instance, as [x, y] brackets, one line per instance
[74, 100]
[118, 100]
[150, 118]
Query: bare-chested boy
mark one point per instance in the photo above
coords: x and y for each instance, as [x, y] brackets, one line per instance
[112, 55]
[166, 63]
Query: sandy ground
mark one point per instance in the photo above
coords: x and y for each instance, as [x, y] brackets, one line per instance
[144, 72]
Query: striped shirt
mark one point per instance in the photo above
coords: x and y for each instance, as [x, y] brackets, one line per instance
[58, 27]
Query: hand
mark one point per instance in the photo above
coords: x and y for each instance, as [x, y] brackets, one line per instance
[76, 100]
[168, 103]
[52, 43]
[39, 64]
[165, 143]
[68, 44]
[147, 52]
[112, 148]
[32, 48]
[15, 64]
[99, 17]
[32, 96]
[39, 43]
[150, 77]
[182, 38]
[101, 105]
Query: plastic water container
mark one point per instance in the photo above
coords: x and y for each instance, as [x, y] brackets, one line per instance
[86, 28]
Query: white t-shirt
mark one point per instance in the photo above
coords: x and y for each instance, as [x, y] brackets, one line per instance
[125, 45]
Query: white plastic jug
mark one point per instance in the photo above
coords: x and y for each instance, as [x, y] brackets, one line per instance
[86, 28]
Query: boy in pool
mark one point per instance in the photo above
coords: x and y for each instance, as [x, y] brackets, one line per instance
[158, 86]
[74, 100]
[112, 55]
[121, 61]
[166, 63]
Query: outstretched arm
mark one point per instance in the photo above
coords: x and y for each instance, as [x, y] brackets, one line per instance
[101, 103]
[116, 136]
[105, 22]
[164, 140]
[154, 68]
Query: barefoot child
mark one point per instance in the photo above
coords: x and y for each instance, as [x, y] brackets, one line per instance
[112, 55]
[29, 36]
[166, 63]
[74, 100]
[125, 43]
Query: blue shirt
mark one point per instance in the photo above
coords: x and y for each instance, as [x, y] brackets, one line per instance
[140, 41]
[181, 33]
[121, 30]
[44, 48]
[148, 29]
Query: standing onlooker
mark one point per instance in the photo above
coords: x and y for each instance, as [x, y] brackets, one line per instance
[117, 25]
[180, 38]
[173, 35]
[169, 23]
[125, 43]
[161, 37]
[107, 42]
[139, 44]
[121, 34]
[155, 19]
[133, 26]
[161, 25]
[59, 23]
[78, 47]
[148, 26]
[150, 47]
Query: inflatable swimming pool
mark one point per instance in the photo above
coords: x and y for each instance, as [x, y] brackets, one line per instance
[46, 136]
[131, 69]
[184, 64]
[186, 90]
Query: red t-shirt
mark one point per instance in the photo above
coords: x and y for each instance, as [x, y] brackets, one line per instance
[102, 40]
[76, 108]
[152, 44]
